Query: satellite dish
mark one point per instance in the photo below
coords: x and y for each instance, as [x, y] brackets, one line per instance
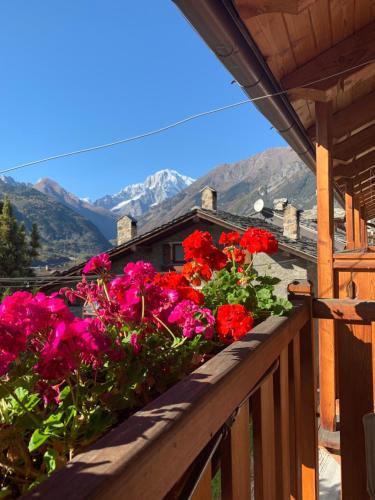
[259, 205]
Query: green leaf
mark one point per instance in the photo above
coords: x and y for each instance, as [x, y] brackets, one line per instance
[64, 393]
[50, 460]
[37, 439]
[268, 280]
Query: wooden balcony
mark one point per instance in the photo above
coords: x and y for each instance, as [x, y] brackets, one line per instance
[244, 425]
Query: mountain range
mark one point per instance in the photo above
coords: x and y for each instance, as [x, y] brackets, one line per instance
[73, 228]
[66, 236]
[273, 173]
[137, 199]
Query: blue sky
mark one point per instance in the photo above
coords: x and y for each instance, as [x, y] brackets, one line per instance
[80, 73]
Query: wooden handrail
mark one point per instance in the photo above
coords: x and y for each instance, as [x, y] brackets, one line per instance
[148, 454]
[348, 310]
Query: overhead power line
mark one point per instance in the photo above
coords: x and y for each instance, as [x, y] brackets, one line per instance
[178, 123]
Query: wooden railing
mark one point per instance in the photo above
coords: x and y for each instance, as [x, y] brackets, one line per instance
[250, 413]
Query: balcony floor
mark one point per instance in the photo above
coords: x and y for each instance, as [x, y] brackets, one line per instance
[329, 476]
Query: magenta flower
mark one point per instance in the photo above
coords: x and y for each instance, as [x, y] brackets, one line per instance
[193, 320]
[139, 273]
[100, 263]
[135, 344]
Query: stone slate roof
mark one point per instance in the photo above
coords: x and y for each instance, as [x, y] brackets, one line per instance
[303, 247]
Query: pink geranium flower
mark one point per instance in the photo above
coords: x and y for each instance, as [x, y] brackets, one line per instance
[193, 320]
[100, 263]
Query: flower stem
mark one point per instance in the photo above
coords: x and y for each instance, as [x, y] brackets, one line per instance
[166, 327]
[143, 307]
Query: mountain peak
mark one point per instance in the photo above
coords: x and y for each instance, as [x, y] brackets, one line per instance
[136, 199]
[8, 180]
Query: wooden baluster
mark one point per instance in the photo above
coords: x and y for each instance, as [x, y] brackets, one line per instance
[373, 361]
[235, 458]
[349, 214]
[281, 388]
[295, 417]
[203, 490]
[262, 404]
[309, 434]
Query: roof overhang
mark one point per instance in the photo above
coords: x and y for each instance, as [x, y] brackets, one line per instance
[295, 47]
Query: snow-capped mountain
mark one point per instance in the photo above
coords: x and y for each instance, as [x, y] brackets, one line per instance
[136, 199]
[8, 180]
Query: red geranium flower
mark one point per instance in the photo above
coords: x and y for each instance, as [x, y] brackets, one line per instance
[236, 253]
[171, 280]
[196, 272]
[232, 238]
[198, 245]
[233, 321]
[178, 282]
[258, 240]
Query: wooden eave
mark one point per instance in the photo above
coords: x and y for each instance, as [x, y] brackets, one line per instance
[324, 50]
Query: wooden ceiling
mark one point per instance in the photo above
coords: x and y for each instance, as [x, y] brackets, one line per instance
[304, 43]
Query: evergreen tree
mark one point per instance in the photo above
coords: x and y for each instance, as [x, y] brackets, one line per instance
[34, 241]
[16, 251]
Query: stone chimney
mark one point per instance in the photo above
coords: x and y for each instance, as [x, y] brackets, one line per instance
[291, 222]
[209, 198]
[279, 204]
[126, 229]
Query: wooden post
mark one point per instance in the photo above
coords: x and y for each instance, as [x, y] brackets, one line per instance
[349, 215]
[323, 111]
[357, 223]
[363, 224]
[309, 431]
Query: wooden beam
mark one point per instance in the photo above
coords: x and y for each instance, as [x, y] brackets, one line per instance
[324, 181]
[353, 117]
[349, 222]
[347, 310]
[355, 167]
[251, 8]
[355, 144]
[316, 75]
